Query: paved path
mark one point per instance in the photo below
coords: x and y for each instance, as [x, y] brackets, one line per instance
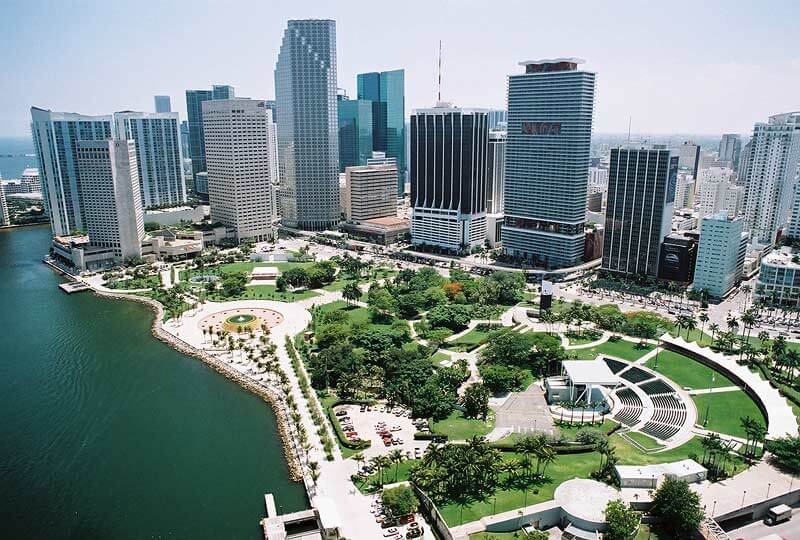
[524, 412]
[714, 390]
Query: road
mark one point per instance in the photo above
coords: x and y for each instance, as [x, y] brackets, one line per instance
[788, 530]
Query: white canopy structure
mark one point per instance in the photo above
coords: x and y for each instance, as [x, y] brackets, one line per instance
[588, 374]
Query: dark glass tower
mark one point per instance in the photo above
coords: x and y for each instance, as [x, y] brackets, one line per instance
[641, 196]
[355, 132]
[194, 115]
[386, 90]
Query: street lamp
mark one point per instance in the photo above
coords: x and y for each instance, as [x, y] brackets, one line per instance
[743, 496]
[768, 486]
[713, 509]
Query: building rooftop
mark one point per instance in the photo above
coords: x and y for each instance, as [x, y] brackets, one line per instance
[563, 60]
[388, 221]
[784, 256]
[594, 372]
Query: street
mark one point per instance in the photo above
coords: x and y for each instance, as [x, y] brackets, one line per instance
[789, 530]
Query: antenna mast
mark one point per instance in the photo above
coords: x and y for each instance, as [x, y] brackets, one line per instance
[440, 70]
[629, 128]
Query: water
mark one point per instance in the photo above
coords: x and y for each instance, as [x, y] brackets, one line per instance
[16, 147]
[106, 432]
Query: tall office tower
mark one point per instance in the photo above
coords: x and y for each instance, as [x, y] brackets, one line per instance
[498, 118]
[112, 198]
[720, 254]
[55, 138]
[550, 109]
[688, 157]
[194, 116]
[448, 177]
[185, 139]
[238, 133]
[684, 191]
[641, 196]
[744, 163]
[386, 91]
[158, 154]
[355, 132]
[163, 104]
[730, 148]
[308, 141]
[370, 192]
[495, 171]
[4, 218]
[771, 175]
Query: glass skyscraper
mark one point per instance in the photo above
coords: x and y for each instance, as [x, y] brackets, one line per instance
[308, 135]
[194, 115]
[550, 109]
[355, 132]
[386, 90]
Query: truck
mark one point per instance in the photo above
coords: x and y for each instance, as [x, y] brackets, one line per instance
[778, 514]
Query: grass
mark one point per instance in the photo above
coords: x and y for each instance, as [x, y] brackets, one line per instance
[268, 292]
[458, 428]
[651, 532]
[627, 350]
[356, 315]
[439, 357]
[473, 338]
[570, 432]
[337, 285]
[485, 535]
[395, 473]
[630, 455]
[645, 441]
[725, 410]
[687, 372]
[136, 283]
[583, 338]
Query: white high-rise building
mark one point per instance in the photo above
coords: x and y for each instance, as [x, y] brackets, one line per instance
[713, 175]
[771, 174]
[238, 135]
[30, 180]
[684, 191]
[158, 153]
[370, 192]
[112, 201]
[720, 255]
[4, 218]
[598, 180]
[55, 139]
[734, 196]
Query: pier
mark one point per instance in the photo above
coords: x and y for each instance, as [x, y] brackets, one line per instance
[74, 287]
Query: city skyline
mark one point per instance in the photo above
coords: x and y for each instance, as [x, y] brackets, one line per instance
[697, 86]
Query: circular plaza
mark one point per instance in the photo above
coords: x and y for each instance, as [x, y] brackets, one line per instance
[241, 319]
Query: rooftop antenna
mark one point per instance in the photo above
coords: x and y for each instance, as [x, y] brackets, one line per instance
[629, 128]
[440, 71]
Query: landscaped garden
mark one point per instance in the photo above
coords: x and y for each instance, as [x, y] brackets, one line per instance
[687, 372]
[458, 427]
[722, 412]
[621, 348]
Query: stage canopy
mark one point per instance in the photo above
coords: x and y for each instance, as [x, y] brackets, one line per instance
[589, 373]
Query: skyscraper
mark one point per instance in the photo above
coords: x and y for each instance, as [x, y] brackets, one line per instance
[688, 157]
[158, 154]
[308, 141]
[238, 135]
[55, 139]
[720, 254]
[641, 196]
[448, 177]
[386, 91]
[550, 109]
[498, 119]
[771, 175]
[111, 194]
[370, 192]
[730, 147]
[4, 218]
[162, 104]
[495, 171]
[355, 132]
[194, 116]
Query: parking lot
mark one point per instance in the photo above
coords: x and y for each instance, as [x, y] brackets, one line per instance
[387, 429]
[412, 526]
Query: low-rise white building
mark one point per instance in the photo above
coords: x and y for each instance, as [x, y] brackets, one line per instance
[779, 278]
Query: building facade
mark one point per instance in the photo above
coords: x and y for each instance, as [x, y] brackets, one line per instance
[730, 148]
[308, 141]
[158, 154]
[496, 172]
[498, 119]
[162, 104]
[641, 197]
[355, 132]
[370, 192]
[386, 91]
[112, 200]
[550, 110]
[779, 278]
[194, 116]
[5, 220]
[720, 254]
[238, 133]
[771, 175]
[448, 172]
[55, 139]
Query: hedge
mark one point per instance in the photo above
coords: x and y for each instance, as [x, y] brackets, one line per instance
[359, 444]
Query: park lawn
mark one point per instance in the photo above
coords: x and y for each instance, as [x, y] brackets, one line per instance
[356, 315]
[647, 442]
[337, 285]
[485, 535]
[687, 372]
[439, 357]
[651, 532]
[725, 409]
[266, 292]
[583, 338]
[630, 455]
[570, 432]
[565, 467]
[473, 338]
[137, 283]
[701, 338]
[627, 350]
[459, 428]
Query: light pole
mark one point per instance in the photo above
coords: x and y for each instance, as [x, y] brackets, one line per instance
[744, 494]
[713, 509]
[768, 486]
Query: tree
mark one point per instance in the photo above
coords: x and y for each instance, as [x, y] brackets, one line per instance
[233, 284]
[296, 277]
[786, 452]
[678, 507]
[400, 501]
[703, 318]
[622, 520]
[476, 401]
[499, 378]
[396, 457]
[280, 284]
[351, 292]
[381, 301]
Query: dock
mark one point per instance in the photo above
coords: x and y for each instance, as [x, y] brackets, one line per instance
[74, 287]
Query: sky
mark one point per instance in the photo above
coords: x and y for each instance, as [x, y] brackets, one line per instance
[670, 67]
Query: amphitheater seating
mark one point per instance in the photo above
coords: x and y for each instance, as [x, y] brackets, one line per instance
[631, 407]
[660, 431]
[615, 365]
[656, 387]
[636, 375]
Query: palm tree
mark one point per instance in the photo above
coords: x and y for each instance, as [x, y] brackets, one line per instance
[396, 457]
[703, 318]
[714, 327]
[689, 324]
[313, 467]
[746, 289]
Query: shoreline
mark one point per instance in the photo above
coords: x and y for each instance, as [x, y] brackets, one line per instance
[291, 456]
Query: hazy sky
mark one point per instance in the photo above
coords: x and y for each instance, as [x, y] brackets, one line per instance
[700, 67]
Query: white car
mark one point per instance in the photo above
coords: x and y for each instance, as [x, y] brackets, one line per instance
[390, 532]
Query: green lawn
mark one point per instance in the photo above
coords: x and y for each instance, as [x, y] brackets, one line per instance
[495, 535]
[630, 455]
[356, 315]
[438, 357]
[269, 292]
[725, 410]
[651, 532]
[626, 350]
[570, 432]
[395, 473]
[647, 442]
[337, 285]
[459, 428]
[687, 372]
[473, 338]
[583, 338]
[136, 283]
